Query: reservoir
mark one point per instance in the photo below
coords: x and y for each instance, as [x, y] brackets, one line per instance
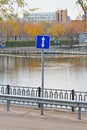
[59, 73]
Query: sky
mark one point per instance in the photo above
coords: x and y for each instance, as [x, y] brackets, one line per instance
[52, 5]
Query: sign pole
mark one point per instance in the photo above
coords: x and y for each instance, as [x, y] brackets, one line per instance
[42, 107]
[42, 42]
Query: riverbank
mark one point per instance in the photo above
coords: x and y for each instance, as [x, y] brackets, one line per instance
[52, 52]
[56, 56]
[26, 118]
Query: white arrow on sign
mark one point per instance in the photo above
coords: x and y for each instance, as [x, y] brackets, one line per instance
[43, 39]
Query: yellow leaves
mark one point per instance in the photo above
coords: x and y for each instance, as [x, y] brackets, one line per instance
[82, 4]
[34, 9]
[9, 8]
[33, 29]
[3, 1]
[12, 28]
[20, 3]
[2, 27]
[56, 30]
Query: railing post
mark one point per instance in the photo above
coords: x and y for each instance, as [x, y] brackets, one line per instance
[8, 102]
[73, 99]
[8, 89]
[39, 95]
[79, 113]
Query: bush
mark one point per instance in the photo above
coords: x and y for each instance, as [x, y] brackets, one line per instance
[63, 42]
[20, 43]
[32, 43]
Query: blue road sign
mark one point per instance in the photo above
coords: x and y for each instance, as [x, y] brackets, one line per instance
[43, 41]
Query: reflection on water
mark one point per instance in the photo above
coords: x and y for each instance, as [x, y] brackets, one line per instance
[58, 73]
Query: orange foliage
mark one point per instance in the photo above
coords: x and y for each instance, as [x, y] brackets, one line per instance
[77, 26]
[12, 28]
[56, 30]
[33, 29]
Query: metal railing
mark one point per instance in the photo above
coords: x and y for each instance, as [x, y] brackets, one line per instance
[78, 104]
[48, 93]
[32, 51]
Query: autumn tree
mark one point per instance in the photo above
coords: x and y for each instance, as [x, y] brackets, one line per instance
[22, 31]
[56, 30]
[83, 5]
[33, 29]
[2, 29]
[73, 28]
[8, 8]
[12, 28]
[45, 25]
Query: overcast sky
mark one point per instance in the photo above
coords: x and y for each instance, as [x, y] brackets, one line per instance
[53, 5]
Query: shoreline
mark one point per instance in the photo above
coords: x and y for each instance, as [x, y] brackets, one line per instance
[46, 56]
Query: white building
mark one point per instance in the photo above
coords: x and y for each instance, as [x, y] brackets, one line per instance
[60, 16]
[36, 17]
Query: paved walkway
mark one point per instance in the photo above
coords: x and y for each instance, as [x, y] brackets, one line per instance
[24, 118]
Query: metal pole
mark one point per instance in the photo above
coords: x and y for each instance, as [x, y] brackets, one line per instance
[39, 95]
[8, 92]
[8, 89]
[8, 105]
[42, 80]
[79, 113]
[73, 99]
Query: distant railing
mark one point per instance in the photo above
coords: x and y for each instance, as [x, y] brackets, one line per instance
[32, 51]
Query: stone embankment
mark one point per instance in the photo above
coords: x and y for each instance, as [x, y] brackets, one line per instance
[33, 52]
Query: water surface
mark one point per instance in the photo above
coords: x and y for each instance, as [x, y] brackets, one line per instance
[60, 73]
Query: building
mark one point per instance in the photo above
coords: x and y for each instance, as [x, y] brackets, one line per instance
[82, 38]
[60, 16]
[41, 16]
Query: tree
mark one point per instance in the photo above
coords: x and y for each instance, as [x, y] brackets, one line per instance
[45, 25]
[83, 5]
[33, 29]
[56, 30]
[73, 28]
[12, 28]
[2, 29]
[9, 8]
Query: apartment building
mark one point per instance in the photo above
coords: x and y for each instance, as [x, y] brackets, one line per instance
[42, 16]
[60, 16]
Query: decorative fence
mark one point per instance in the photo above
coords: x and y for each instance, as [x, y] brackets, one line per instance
[52, 94]
[48, 93]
